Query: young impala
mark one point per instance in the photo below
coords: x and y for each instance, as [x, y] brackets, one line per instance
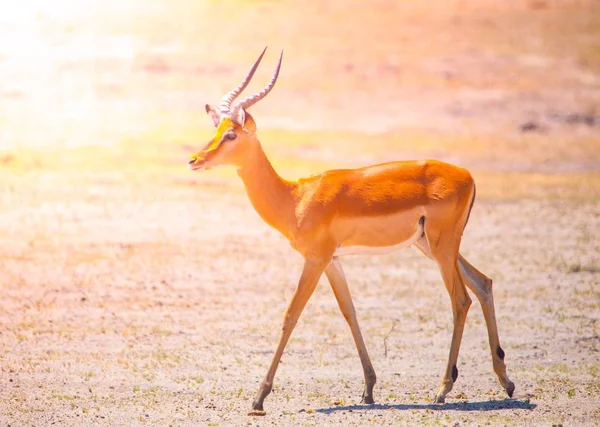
[372, 210]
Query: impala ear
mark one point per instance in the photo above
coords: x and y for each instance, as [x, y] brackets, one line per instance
[214, 114]
[249, 124]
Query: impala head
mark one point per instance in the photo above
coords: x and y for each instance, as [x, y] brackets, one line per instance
[235, 128]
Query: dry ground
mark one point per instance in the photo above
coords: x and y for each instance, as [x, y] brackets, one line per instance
[134, 292]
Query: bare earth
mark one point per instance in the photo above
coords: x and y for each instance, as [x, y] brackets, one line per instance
[134, 292]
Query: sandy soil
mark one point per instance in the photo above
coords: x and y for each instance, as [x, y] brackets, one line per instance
[134, 292]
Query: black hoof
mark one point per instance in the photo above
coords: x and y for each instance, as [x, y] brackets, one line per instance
[367, 399]
[510, 389]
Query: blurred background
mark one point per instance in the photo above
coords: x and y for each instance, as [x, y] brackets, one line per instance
[97, 73]
[109, 245]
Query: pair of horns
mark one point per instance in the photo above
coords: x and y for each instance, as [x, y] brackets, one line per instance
[225, 107]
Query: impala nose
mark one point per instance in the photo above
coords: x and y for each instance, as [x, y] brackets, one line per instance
[191, 162]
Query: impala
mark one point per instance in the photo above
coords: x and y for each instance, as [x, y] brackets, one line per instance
[372, 210]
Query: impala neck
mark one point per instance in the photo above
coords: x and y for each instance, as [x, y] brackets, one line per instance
[272, 196]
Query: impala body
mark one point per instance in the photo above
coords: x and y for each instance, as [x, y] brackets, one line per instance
[372, 210]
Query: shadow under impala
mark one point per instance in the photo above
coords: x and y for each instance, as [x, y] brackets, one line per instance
[489, 405]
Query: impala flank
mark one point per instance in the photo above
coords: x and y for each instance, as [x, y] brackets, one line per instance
[372, 210]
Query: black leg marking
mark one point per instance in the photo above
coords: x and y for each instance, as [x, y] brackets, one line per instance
[454, 374]
[500, 352]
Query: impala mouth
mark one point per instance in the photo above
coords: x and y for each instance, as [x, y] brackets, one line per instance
[194, 165]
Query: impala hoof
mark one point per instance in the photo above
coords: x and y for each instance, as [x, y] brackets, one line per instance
[510, 389]
[257, 413]
[367, 400]
[439, 399]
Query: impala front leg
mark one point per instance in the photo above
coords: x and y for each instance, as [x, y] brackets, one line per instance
[337, 278]
[313, 268]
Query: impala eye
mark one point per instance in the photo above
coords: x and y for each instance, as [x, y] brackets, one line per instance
[230, 136]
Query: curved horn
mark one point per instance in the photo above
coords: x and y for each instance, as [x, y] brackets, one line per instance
[253, 99]
[225, 104]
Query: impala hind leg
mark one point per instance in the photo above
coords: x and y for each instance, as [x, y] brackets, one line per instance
[338, 282]
[481, 286]
[445, 253]
[306, 286]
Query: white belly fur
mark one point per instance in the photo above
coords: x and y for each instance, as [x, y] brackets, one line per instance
[379, 250]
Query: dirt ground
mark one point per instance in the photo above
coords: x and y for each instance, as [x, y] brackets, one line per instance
[135, 292]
